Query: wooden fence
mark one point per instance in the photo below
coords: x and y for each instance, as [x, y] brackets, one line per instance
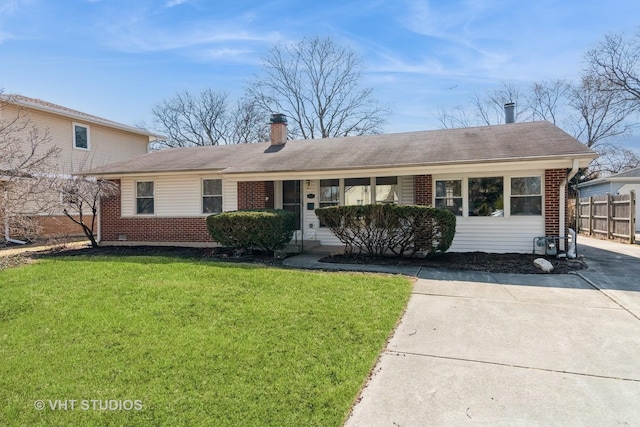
[608, 217]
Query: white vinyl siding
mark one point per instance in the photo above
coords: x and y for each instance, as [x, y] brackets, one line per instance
[229, 195]
[499, 235]
[407, 192]
[177, 196]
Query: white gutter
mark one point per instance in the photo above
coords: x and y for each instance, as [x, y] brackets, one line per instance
[563, 201]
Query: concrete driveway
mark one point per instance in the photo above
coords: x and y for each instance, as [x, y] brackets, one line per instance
[502, 349]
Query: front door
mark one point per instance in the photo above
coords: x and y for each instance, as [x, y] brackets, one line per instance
[292, 199]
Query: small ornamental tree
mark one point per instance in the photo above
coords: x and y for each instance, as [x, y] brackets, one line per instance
[380, 229]
[270, 229]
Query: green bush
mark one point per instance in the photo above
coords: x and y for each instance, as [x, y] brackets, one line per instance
[268, 229]
[400, 229]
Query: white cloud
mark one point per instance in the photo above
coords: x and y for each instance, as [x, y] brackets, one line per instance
[172, 3]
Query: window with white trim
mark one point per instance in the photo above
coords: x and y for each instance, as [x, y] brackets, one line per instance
[357, 191]
[211, 196]
[486, 196]
[80, 136]
[387, 189]
[526, 195]
[449, 195]
[144, 198]
[329, 192]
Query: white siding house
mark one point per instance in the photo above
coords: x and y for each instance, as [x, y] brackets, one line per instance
[506, 184]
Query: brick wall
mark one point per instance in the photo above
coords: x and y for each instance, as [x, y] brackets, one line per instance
[149, 229]
[60, 226]
[423, 185]
[552, 179]
[255, 194]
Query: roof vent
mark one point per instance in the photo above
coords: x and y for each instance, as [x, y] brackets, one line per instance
[510, 112]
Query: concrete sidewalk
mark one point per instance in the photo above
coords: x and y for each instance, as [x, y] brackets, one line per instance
[506, 349]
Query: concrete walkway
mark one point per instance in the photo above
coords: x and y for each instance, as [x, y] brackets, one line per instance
[508, 349]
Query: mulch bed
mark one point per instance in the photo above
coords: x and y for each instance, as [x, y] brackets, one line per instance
[475, 261]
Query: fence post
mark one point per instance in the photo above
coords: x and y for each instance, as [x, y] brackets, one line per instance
[609, 217]
[632, 217]
[590, 216]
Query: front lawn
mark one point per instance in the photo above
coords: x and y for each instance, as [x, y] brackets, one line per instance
[165, 341]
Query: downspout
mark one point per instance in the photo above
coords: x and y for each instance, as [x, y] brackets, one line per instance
[563, 201]
[7, 238]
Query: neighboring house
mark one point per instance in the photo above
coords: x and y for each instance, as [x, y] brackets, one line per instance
[84, 141]
[620, 183]
[507, 184]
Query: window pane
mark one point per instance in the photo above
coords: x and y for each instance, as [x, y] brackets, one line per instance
[212, 204]
[386, 194]
[356, 181]
[145, 206]
[451, 188]
[387, 180]
[525, 186]
[82, 140]
[452, 204]
[529, 205]
[486, 196]
[212, 187]
[357, 191]
[144, 189]
[329, 191]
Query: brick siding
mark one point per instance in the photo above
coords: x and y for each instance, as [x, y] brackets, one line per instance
[60, 226]
[255, 195]
[552, 180]
[423, 185]
[149, 229]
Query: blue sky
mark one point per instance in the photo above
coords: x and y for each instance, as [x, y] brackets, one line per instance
[118, 58]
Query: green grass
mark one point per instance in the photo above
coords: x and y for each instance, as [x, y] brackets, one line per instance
[197, 343]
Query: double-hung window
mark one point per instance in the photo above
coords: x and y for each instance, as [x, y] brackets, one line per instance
[449, 195]
[211, 196]
[526, 196]
[144, 198]
[357, 191]
[329, 192]
[387, 189]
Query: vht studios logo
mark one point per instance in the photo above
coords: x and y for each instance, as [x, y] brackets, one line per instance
[88, 405]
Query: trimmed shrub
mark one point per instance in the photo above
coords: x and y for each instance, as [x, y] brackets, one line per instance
[267, 229]
[400, 229]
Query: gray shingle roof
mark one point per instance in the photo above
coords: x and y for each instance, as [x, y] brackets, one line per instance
[519, 141]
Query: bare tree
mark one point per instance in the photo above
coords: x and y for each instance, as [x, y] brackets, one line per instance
[545, 99]
[249, 123]
[188, 119]
[317, 85]
[456, 118]
[28, 166]
[603, 113]
[487, 109]
[207, 119]
[81, 199]
[617, 61]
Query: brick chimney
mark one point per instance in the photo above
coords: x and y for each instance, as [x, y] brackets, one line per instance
[278, 129]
